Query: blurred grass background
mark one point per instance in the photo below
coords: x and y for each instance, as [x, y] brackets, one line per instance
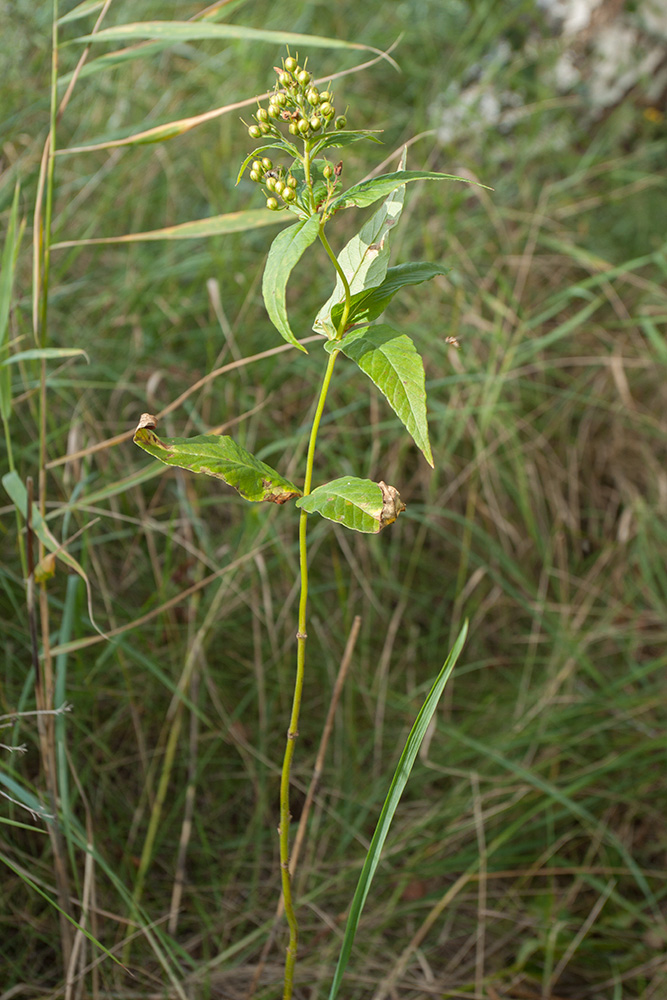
[528, 857]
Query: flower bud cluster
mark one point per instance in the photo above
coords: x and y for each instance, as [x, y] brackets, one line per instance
[276, 182]
[297, 103]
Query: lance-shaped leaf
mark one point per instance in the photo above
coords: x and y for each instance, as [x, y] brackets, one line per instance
[19, 496]
[7, 270]
[286, 250]
[47, 353]
[336, 140]
[367, 192]
[371, 303]
[365, 258]
[216, 225]
[219, 456]
[191, 31]
[359, 504]
[390, 360]
[286, 146]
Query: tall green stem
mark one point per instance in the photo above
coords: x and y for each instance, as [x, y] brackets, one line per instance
[293, 730]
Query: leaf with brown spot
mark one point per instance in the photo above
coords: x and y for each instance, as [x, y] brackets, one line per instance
[218, 456]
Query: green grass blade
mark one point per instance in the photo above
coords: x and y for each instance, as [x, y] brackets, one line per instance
[35, 888]
[45, 353]
[81, 10]
[193, 31]
[8, 264]
[217, 225]
[17, 492]
[396, 789]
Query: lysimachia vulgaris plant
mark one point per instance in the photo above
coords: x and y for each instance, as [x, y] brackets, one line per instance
[296, 162]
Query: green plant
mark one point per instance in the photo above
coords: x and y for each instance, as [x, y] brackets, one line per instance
[307, 184]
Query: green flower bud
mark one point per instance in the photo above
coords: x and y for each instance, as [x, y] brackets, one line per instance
[303, 77]
[264, 129]
[261, 115]
[341, 121]
[315, 123]
[328, 171]
[255, 176]
[290, 64]
[280, 100]
[256, 165]
[326, 95]
[272, 204]
[270, 183]
[293, 128]
[289, 194]
[327, 109]
[255, 132]
[292, 182]
[266, 163]
[285, 79]
[312, 96]
[274, 111]
[304, 126]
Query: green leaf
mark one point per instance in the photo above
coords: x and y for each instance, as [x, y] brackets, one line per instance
[284, 145]
[218, 456]
[398, 783]
[8, 265]
[81, 10]
[286, 250]
[47, 353]
[390, 360]
[21, 873]
[7, 269]
[191, 31]
[19, 497]
[365, 258]
[368, 305]
[217, 225]
[336, 140]
[359, 504]
[367, 192]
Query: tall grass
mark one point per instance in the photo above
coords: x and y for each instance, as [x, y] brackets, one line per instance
[528, 856]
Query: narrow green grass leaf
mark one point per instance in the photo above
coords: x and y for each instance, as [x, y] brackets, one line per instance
[286, 250]
[19, 497]
[219, 456]
[47, 353]
[392, 363]
[8, 265]
[193, 31]
[365, 258]
[367, 192]
[7, 270]
[551, 790]
[138, 51]
[217, 225]
[371, 303]
[35, 888]
[398, 783]
[81, 10]
[359, 504]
